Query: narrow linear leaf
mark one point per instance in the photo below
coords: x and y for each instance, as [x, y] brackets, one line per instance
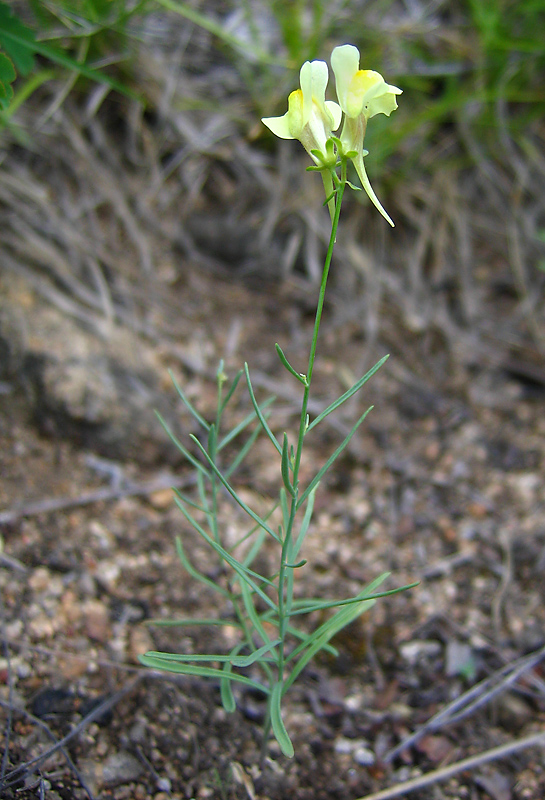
[255, 548]
[328, 629]
[298, 543]
[226, 689]
[305, 641]
[257, 655]
[188, 566]
[319, 475]
[190, 407]
[263, 421]
[279, 729]
[244, 573]
[247, 599]
[187, 500]
[343, 398]
[285, 466]
[183, 450]
[230, 391]
[188, 621]
[156, 660]
[243, 424]
[243, 452]
[297, 634]
[197, 658]
[233, 493]
[320, 606]
[301, 378]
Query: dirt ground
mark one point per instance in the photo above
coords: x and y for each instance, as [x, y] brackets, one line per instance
[444, 485]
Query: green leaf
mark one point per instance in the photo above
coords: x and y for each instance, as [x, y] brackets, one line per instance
[198, 658]
[252, 613]
[21, 45]
[263, 421]
[301, 378]
[168, 663]
[279, 729]
[243, 572]
[343, 398]
[294, 549]
[321, 636]
[188, 566]
[185, 452]
[285, 467]
[226, 689]
[321, 605]
[233, 493]
[7, 76]
[257, 655]
[188, 621]
[17, 40]
[230, 391]
[242, 425]
[183, 397]
[319, 475]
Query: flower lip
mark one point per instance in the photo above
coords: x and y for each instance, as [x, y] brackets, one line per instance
[310, 117]
[361, 91]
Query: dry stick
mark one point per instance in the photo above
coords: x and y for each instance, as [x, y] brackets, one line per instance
[49, 732]
[16, 774]
[484, 691]
[60, 503]
[460, 766]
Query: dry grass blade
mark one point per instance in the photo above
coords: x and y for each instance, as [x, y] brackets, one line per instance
[15, 775]
[439, 775]
[473, 699]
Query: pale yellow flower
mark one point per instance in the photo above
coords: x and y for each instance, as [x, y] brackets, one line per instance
[362, 93]
[310, 117]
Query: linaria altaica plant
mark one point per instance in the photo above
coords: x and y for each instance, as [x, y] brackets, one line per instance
[271, 649]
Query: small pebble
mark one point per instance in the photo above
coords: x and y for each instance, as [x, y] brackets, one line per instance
[413, 651]
[364, 756]
[121, 768]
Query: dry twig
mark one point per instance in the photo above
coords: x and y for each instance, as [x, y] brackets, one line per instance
[444, 773]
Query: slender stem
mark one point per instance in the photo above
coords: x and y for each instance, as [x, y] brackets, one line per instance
[285, 578]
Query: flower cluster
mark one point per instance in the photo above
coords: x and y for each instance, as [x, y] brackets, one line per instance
[362, 93]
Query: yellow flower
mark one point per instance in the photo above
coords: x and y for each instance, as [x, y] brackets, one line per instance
[310, 117]
[362, 94]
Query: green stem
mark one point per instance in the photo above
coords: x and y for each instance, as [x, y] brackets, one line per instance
[285, 576]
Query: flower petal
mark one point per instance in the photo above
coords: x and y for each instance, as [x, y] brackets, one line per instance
[290, 126]
[345, 62]
[374, 95]
[336, 113]
[362, 175]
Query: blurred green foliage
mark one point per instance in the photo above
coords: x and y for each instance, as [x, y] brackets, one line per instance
[470, 60]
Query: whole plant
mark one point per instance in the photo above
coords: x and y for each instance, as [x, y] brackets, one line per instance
[272, 649]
